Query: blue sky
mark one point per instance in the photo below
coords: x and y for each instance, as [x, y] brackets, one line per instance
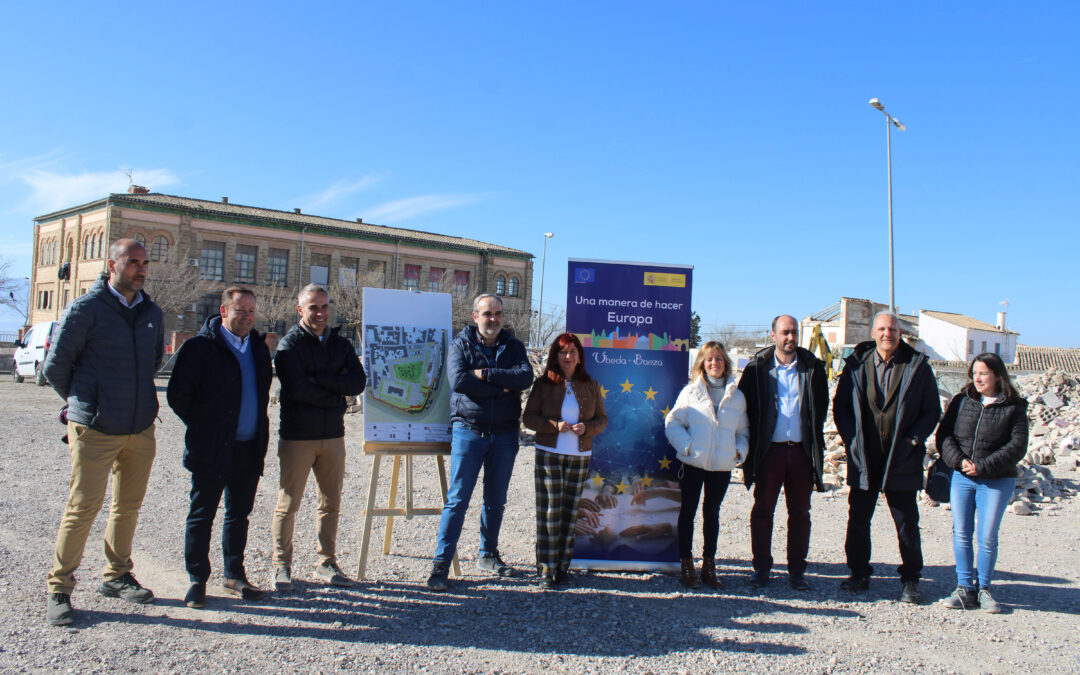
[733, 137]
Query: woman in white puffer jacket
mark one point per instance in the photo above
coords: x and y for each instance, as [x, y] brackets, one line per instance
[710, 432]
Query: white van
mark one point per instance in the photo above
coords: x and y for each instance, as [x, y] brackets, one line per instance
[29, 359]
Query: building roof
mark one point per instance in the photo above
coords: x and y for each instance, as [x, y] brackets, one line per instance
[962, 321]
[1043, 358]
[224, 209]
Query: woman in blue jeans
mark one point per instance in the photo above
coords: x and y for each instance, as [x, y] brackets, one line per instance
[983, 436]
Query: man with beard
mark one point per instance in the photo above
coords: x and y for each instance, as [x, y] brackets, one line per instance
[787, 398]
[487, 369]
[107, 348]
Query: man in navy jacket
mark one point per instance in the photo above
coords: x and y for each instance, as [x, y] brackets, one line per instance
[488, 369]
[220, 388]
[107, 349]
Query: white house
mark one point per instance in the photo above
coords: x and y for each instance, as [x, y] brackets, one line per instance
[955, 337]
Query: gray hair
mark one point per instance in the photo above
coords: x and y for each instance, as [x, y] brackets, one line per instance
[889, 313]
[476, 302]
[312, 288]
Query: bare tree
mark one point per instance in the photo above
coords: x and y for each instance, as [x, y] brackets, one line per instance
[13, 290]
[734, 336]
[552, 324]
[348, 299]
[175, 285]
[275, 304]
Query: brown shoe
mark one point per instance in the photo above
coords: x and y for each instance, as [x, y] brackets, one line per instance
[689, 574]
[708, 573]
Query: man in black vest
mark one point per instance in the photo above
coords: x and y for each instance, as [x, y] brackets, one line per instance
[787, 398]
[886, 405]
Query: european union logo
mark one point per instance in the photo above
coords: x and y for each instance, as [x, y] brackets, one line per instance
[584, 275]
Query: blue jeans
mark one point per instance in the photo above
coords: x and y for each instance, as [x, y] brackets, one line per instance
[469, 451]
[989, 497]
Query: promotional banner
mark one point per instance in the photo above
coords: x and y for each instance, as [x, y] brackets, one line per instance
[406, 335]
[633, 319]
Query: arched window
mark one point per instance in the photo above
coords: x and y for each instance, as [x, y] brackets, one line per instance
[513, 289]
[500, 285]
[85, 248]
[101, 245]
[159, 251]
[70, 248]
[54, 257]
[139, 237]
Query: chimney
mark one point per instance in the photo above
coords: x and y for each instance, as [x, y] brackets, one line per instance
[138, 190]
[1001, 321]
[296, 210]
[224, 200]
[360, 220]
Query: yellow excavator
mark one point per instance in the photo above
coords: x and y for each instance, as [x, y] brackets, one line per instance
[819, 344]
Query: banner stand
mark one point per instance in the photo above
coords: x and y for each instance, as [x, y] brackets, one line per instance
[398, 451]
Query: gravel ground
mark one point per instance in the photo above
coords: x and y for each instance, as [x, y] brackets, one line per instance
[607, 622]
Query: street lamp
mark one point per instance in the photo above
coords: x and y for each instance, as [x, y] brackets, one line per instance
[543, 266]
[889, 122]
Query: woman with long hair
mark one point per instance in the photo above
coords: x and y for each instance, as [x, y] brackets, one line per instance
[983, 436]
[566, 411]
[710, 432]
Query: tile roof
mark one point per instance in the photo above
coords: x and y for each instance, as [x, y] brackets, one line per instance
[230, 210]
[961, 320]
[1043, 358]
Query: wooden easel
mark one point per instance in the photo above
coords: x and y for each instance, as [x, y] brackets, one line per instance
[408, 451]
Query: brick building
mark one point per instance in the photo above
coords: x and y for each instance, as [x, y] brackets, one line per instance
[216, 244]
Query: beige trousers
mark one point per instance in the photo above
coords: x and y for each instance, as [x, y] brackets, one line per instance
[326, 458]
[94, 456]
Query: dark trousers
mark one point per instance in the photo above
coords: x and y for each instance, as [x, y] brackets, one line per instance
[785, 466]
[692, 481]
[239, 488]
[905, 514]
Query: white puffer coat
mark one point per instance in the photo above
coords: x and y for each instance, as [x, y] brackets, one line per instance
[713, 439]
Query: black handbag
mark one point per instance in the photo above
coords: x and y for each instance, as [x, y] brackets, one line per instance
[939, 481]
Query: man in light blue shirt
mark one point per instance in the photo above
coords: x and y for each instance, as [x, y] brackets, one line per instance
[786, 401]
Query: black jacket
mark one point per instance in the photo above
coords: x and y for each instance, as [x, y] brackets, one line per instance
[756, 385]
[918, 410]
[995, 437]
[315, 379]
[494, 403]
[205, 392]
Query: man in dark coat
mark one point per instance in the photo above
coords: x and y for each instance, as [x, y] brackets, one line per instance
[318, 369]
[886, 405]
[787, 398]
[488, 369]
[220, 388]
[106, 351]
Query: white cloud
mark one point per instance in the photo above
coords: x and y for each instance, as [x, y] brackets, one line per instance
[336, 192]
[410, 207]
[54, 190]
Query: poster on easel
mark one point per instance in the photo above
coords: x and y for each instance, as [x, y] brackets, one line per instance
[406, 336]
[633, 319]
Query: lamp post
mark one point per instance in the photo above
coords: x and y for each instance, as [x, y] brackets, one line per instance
[889, 122]
[540, 306]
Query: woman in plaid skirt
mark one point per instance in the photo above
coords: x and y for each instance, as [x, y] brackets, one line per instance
[710, 432]
[566, 411]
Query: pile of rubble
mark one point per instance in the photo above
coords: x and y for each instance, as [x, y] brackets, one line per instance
[1054, 440]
